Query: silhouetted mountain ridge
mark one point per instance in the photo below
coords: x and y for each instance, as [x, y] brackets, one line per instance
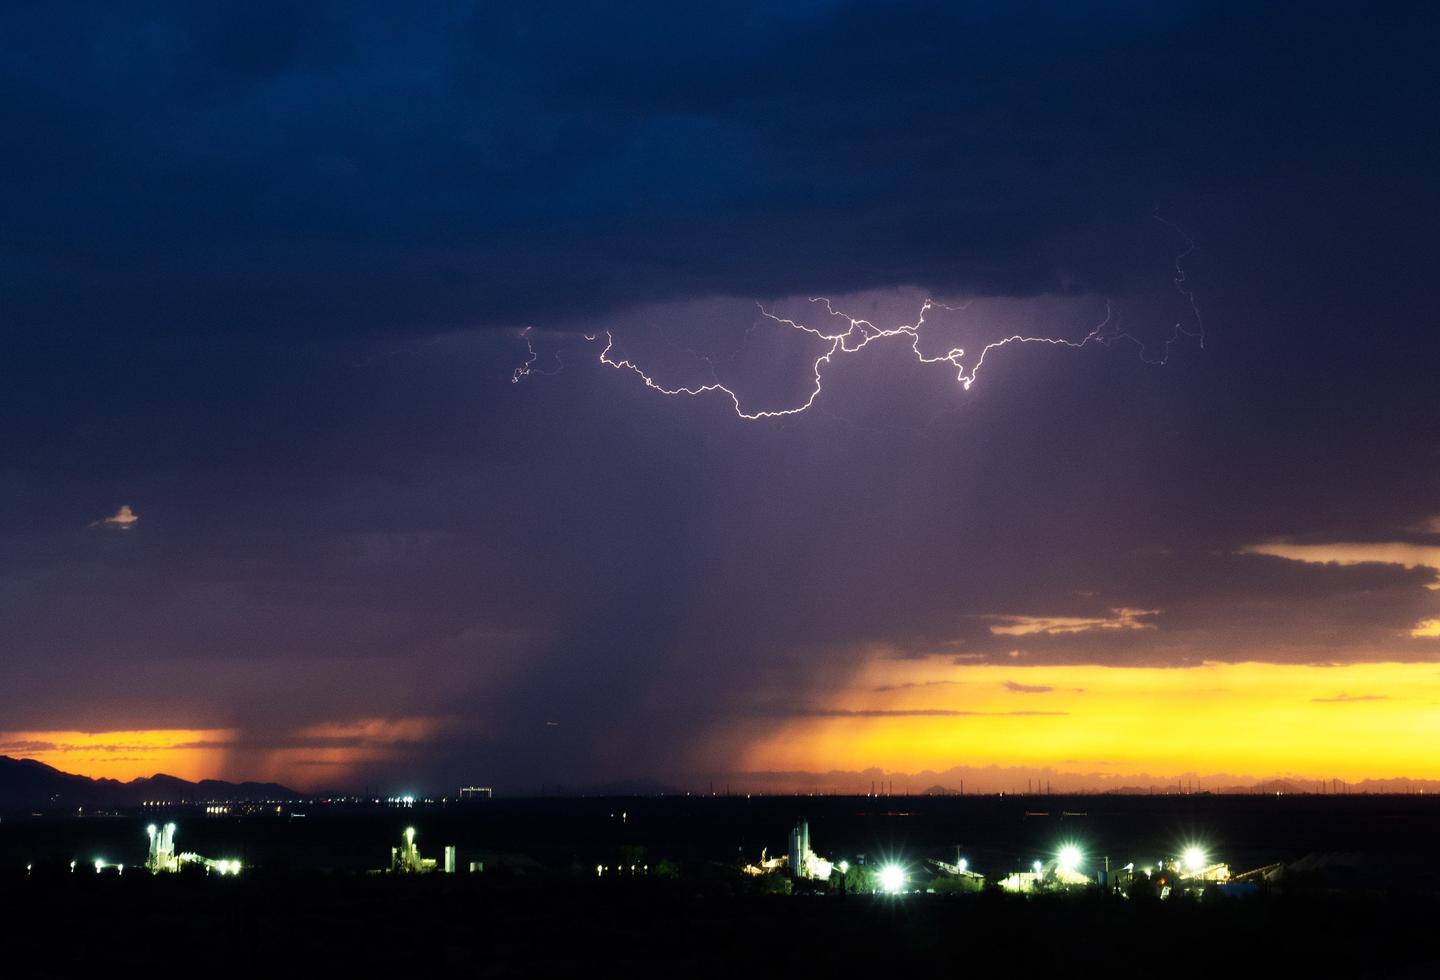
[27, 784]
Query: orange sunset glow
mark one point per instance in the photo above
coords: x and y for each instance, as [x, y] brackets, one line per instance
[187, 753]
[314, 756]
[1247, 719]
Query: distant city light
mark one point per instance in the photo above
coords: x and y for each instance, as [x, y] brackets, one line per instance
[892, 879]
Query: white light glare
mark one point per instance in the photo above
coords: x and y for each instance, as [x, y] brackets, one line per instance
[1193, 859]
[892, 879]
[1070, 857]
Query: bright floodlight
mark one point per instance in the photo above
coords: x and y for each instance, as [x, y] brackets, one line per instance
[1070, 857]
[964, 865]
[892, 879]
[1193, 859]
[150, 830]
[844, 867]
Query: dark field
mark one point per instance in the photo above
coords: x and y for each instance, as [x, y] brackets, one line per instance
[1359, 899]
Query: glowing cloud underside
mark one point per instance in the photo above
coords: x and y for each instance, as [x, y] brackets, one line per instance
[850, 335]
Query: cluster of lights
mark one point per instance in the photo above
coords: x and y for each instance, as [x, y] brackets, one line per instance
[620, 869]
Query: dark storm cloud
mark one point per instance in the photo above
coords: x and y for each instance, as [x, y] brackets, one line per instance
[242, 247]
[333, 168]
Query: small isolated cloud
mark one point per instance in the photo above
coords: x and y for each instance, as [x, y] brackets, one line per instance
[1119, 619]
[1019, 688]
[910, 684]
[1426, 628]
[122, 520]
[1343, 698]
[1403, 553]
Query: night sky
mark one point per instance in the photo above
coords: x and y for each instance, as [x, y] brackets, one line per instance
[272, 507]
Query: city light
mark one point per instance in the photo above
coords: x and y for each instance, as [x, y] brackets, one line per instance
[892, 879]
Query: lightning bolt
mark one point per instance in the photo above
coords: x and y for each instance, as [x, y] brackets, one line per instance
[529, 368]
[854, 334]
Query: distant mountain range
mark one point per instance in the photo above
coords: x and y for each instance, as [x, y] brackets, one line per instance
[27, 784]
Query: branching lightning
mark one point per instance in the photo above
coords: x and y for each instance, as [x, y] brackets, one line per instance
[854, 334]
[529, 368]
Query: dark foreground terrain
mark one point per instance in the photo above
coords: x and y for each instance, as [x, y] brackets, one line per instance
[268, 925]
[1357, 893]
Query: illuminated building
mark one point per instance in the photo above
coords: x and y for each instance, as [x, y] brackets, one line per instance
[1021, 882]
[805, 863]
[406, 858]
[162, 857]
[767, 864]
[799, 848]
[476, 792]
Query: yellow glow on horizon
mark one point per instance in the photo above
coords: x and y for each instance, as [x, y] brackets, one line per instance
[1426, 628]
[1247, 719]
[190, 753]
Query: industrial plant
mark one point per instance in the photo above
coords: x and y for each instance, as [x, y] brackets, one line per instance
[162, 858]
[406, 858]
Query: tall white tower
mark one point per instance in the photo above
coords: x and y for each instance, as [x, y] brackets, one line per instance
[161, 856]
[800, 850]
